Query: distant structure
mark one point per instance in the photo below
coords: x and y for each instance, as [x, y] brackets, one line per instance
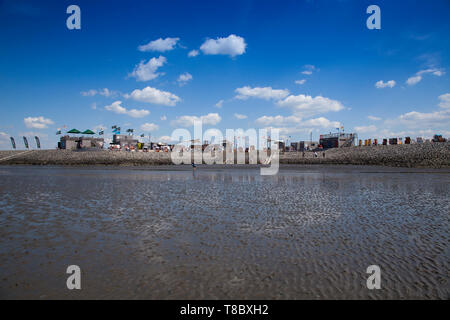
[74, 143]
[304, 145]
[122, 140]
[337, 140]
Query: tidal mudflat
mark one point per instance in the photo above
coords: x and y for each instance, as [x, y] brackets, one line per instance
[309, 232]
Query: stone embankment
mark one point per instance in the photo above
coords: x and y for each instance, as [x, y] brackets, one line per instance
[426, 155]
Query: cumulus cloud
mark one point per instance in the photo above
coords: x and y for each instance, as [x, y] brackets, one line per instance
[240, 116]
[116, 107]
[294, 125]
[184, 78]
[103, 92]
[149, 127]
[366, 129]
[147, 71]
[302, 81]
[277, 120]
[37, 122]
[219, 104]
[232, 45]
[193, 53]
[165, 139]
[418, 76]
[416, 119]
[305, 106]
[160, 45]
[265, 93]
[188, 121]
[374, 118]
[154, 96]
[321, 123]
[437, 120]
[414, 80]
[445, 101]
[389, 84]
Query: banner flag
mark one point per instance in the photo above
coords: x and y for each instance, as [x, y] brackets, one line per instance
[13, 142]
[38, 143]
[25, 141]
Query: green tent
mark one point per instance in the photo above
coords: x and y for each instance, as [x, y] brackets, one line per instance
[88, 132]
[74, 131]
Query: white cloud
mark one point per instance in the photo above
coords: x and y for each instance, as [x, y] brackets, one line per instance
[219, 104]
[294, 125]
[321, 123]
[414, 80]
[187, 121]
[116, 107]
[277, 120]
[160, 45]
[155, 96]
[163, 118]
[302, 81]
[305, 106]
[366, 129]
[149, 127]
[380, 84]
[240, 116]
[435, 120]
[433, 71]
[165, 139]
[232, 45]
[94, 106]
[445, 101]
[309, 69]
[193, 53]
[89, 93]
[147, 71]
[266, 93]
[4, 136]
[418, 77]
[37, 122]
[103, 92]
[184, 78]
[374, 118]
[417, 119]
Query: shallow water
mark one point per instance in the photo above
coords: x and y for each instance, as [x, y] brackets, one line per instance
[170, 233]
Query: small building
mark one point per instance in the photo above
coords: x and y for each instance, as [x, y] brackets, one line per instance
[337, 140]
[74, 143]
[123, 140]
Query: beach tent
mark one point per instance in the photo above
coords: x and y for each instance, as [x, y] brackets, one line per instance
[88, 132]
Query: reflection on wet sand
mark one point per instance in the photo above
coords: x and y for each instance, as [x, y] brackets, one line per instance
[308, 232]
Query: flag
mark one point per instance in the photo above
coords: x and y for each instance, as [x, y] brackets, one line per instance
[142, 135]
[38, 143]
[25, 141]
[58, 132]
[13, 142]
[101, 132]
[114, 127]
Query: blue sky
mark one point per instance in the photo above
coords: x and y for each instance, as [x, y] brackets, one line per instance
[300, 66]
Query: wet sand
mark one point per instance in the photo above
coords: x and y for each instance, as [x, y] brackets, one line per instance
[309, 232]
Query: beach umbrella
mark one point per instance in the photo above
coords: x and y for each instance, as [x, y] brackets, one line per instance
[74, 131]
[88, 132]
